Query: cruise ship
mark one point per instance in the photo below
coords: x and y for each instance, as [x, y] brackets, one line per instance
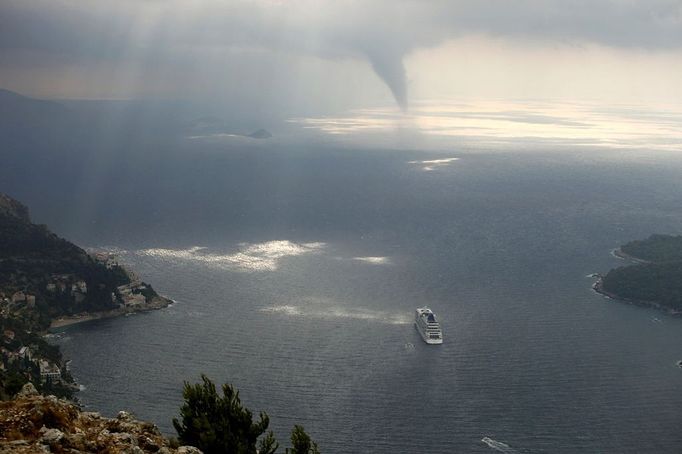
[427, 325]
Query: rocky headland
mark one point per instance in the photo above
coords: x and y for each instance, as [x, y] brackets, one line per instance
[652, 279]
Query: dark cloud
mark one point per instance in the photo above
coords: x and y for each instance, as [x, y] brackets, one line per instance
[621, 23]
[381, 31]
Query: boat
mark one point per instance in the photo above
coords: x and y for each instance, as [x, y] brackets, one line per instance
[427, 325]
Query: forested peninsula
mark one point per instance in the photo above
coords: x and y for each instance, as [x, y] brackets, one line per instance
[655, 277]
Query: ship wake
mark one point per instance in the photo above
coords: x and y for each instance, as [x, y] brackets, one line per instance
[498, 445]
[336, 312]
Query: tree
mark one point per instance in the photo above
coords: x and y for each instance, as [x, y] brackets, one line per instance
[222, 425]
[11, 382]
[301, 442]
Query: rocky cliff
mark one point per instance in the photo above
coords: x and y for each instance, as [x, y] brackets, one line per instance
[32, 423]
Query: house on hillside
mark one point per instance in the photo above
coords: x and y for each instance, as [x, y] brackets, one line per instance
[18, 297]
[25, 353]
[49, 371]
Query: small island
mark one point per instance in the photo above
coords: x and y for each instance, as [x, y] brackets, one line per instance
[655, 277]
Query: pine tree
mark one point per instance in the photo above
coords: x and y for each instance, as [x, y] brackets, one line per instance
[301, 442]
[220, 424]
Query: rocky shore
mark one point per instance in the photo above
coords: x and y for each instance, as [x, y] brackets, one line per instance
[599, 288]
[32, 423]
[154, 303]
[618, 252]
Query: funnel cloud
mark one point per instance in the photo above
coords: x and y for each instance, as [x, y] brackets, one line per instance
[391, 70]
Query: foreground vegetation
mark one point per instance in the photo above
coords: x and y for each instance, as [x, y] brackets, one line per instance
[656, 282]
[221, 424]
[210, 423]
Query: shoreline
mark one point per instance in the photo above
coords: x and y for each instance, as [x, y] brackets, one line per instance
[598, 288]
[618, 253]
[158, 302]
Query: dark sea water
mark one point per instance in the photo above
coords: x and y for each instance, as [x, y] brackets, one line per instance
[296, 274]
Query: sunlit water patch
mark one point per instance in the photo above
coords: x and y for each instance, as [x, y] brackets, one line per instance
[374, 260]
[432, 164]
[250, 257]
[322, 308]
[514, 123]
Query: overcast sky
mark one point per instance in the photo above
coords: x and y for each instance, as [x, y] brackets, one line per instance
[318, 55]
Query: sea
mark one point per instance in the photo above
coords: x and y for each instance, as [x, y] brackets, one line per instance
[296, 268]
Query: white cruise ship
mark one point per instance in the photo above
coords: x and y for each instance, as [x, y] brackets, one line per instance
[427, 325]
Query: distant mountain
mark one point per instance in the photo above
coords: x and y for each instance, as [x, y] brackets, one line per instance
[82, 124]
[211, 125]
[20, 113]
[11, 100]
[50, 150]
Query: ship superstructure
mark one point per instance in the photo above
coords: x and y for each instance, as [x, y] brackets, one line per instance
[427, 325]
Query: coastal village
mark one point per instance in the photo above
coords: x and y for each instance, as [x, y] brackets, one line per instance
[46, 283]
[135, 296]
[25, 354]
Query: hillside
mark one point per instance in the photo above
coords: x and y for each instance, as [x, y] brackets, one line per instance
[62, 277]
[656, 248]
[42, 277]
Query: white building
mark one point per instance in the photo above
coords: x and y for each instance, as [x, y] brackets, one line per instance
[49, 371]
[25, 352]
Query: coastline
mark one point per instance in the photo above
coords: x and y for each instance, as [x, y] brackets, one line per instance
[599, 288]
[618, 253]
[158, 302]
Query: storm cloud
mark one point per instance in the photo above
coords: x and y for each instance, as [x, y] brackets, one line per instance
[194, 34]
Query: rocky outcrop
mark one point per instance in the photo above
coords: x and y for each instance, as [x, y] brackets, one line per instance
[33, 424]
[10, 207]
